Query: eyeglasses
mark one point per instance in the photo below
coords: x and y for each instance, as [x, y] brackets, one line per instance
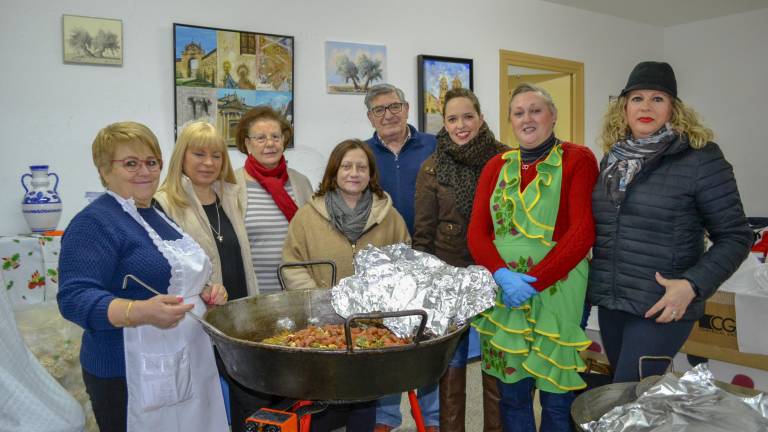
[262, 139]
[394, 108]
[133, 164]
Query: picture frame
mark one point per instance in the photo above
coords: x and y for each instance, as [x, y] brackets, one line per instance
[351, 68]
[436, 75]
[220, 74]
[92, 41]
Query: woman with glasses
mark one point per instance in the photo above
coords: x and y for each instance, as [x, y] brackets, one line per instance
[201, 195]
[270, 192]
[532, 227]
[445, 187]
[145, 366]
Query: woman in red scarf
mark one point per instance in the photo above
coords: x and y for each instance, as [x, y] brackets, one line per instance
[270, 192]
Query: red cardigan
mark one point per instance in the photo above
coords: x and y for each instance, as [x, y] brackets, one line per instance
[574, 229]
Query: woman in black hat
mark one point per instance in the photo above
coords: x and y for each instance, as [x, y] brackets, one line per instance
[663, 184]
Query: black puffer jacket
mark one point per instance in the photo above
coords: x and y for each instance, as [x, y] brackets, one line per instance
[660, 227]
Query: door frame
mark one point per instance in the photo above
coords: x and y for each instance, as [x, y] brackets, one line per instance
[574, 69]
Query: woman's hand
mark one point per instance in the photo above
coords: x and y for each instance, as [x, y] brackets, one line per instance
[516, 288]
[163, 311]
[675, 302]
[214, 294]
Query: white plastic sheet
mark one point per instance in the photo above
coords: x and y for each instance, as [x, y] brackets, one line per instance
[30, 398]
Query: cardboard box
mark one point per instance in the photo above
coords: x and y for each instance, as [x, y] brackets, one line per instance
[714, 335]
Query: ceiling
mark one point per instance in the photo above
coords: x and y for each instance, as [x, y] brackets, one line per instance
[665, 13]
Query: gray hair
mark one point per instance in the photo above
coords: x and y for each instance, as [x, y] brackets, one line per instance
[380, 89]
[525, 88]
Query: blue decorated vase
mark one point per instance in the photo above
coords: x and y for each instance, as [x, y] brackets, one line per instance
[41, 205]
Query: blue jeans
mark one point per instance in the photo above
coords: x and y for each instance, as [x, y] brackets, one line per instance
[517, 408]
[388, 407]
[621, 331]
[459, 358]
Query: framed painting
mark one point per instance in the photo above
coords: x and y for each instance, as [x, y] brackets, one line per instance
[221, 74]
[351, 68]
[95, 41]
[437, 75]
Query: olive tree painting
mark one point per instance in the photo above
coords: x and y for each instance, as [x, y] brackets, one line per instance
[97, 41]
[353, 68]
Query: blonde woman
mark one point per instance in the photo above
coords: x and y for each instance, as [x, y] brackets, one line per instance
[663, 184]
[201, 195]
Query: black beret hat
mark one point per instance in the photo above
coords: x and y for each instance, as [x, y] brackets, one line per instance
[651, 75]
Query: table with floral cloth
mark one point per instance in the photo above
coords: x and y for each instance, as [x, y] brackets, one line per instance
[30, 268]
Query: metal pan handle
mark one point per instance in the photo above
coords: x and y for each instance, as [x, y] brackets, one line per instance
[305, 264]
[379, 315]
[149, 288]
[642, 359]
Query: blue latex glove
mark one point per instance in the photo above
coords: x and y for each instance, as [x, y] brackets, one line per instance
[515, 287]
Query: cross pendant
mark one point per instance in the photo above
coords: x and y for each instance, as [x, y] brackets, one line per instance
[220, 238]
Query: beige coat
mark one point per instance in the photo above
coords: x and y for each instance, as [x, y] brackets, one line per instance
[311, 236]
[194, 222]
[302, 189]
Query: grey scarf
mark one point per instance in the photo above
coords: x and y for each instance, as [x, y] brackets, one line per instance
[351, 222]
[627, 158]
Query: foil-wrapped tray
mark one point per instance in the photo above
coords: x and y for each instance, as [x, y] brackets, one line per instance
[397, 278]
[691, 403]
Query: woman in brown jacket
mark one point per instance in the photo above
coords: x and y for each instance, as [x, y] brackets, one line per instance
[349, 211]
[445, 189]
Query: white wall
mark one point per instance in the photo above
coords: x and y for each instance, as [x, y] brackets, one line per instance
[52, 111]
[721, 69]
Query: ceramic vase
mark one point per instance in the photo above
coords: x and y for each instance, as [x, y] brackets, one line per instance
[41, 205]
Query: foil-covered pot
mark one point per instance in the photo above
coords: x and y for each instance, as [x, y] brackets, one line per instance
[691, 403]
[397, 278]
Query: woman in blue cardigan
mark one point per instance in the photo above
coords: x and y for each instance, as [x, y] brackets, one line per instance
[145, 365]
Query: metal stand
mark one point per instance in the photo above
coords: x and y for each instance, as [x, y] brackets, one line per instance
[296, 416]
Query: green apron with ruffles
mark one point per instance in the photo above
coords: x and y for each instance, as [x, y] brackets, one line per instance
[540, 338]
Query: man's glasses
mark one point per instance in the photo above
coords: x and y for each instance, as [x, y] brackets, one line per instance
[394, 108]
[262, 139]
[133, 164]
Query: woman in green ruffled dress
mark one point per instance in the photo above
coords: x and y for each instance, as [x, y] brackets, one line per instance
[532, 227]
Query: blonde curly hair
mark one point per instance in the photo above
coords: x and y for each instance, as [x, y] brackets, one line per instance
[684, 120]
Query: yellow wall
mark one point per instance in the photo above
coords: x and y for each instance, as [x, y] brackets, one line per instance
[559, 86]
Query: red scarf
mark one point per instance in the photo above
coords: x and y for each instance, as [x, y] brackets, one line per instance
[273, 180]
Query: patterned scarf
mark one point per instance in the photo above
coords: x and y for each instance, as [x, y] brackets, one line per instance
[350, 222]
[273, 180]
[459, 166]
[627, 158]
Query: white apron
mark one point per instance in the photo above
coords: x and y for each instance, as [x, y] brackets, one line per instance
[173, 384]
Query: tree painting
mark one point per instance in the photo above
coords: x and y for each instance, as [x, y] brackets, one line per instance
[354, 68]
[92, 40]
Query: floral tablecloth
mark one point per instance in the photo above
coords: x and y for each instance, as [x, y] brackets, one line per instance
[30, 266]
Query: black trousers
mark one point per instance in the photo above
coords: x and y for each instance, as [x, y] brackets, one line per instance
[357, 417]
[109, 399]
[628, 337]
[243, 401]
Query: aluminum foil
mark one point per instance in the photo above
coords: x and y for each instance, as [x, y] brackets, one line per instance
[397, 278]
[690, 403]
